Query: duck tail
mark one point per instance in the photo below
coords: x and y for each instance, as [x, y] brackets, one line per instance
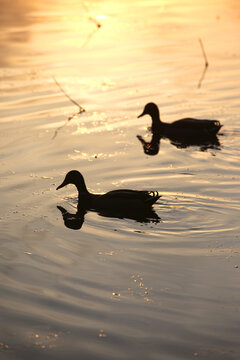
[216, 128]
[153, 197]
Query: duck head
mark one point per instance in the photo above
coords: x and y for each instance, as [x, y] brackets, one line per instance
[150, 109]
[74, 177]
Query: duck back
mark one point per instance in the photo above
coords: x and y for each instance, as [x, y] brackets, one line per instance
[130, 200]
[192, 127]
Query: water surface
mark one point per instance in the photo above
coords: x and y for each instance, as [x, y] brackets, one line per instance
[118, 288]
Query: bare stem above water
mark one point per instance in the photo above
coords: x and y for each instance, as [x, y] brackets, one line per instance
[203, 51]
[94, 20]
[206, 63]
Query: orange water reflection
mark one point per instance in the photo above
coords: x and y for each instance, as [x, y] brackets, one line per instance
[65, 30]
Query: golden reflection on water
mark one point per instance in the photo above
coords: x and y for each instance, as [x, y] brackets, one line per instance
[147, 52]
[53, 27]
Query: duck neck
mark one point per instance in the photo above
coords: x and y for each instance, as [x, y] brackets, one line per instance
[82, 190]
[156, 137]
[81, 186]
[84, 199]
[84, 196]
[156, 121]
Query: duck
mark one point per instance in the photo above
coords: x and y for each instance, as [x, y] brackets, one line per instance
[183, 128]
[122, 200]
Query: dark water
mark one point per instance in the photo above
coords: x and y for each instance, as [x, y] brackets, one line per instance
[118, 288]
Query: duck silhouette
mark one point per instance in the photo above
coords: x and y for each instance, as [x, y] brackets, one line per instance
[187, 127]
[181, 133]
[122, 201]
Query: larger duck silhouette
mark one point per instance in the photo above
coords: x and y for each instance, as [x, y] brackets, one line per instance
[181, 133]
[135, 204]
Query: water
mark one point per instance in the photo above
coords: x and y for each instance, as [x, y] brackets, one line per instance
[118, 288]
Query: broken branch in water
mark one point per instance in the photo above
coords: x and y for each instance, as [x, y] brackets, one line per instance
[81, 109]
[206, 63]
[89, 37]
[91, 18]
[94, 20]
[204, 53]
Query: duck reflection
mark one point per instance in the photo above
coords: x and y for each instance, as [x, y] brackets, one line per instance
[182, 133]
[75, 221]
[152, 147]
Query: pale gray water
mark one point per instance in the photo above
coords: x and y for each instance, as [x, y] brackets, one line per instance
[117, 288]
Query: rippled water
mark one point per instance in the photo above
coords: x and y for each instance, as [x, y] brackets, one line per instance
[118, 288]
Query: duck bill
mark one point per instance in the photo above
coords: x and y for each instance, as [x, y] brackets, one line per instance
[142, 141]
[63, 211]
[62, 185]
[143, 113]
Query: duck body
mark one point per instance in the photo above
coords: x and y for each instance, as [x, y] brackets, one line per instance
[130, 200]
[190, 127]
[183, 128]
[122, 200]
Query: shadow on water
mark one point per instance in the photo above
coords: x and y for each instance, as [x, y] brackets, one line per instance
[75, 221]
[152, 147]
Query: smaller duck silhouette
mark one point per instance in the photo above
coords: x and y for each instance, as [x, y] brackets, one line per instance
[124, 200]
[181, 133]
[183, 127]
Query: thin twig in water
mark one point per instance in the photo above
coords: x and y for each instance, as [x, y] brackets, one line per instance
[85, 6]
[202, 77]
[89, 37]
[81, 109]
[206, 63]
[95, 22]
[91, 18]
[204, 53]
